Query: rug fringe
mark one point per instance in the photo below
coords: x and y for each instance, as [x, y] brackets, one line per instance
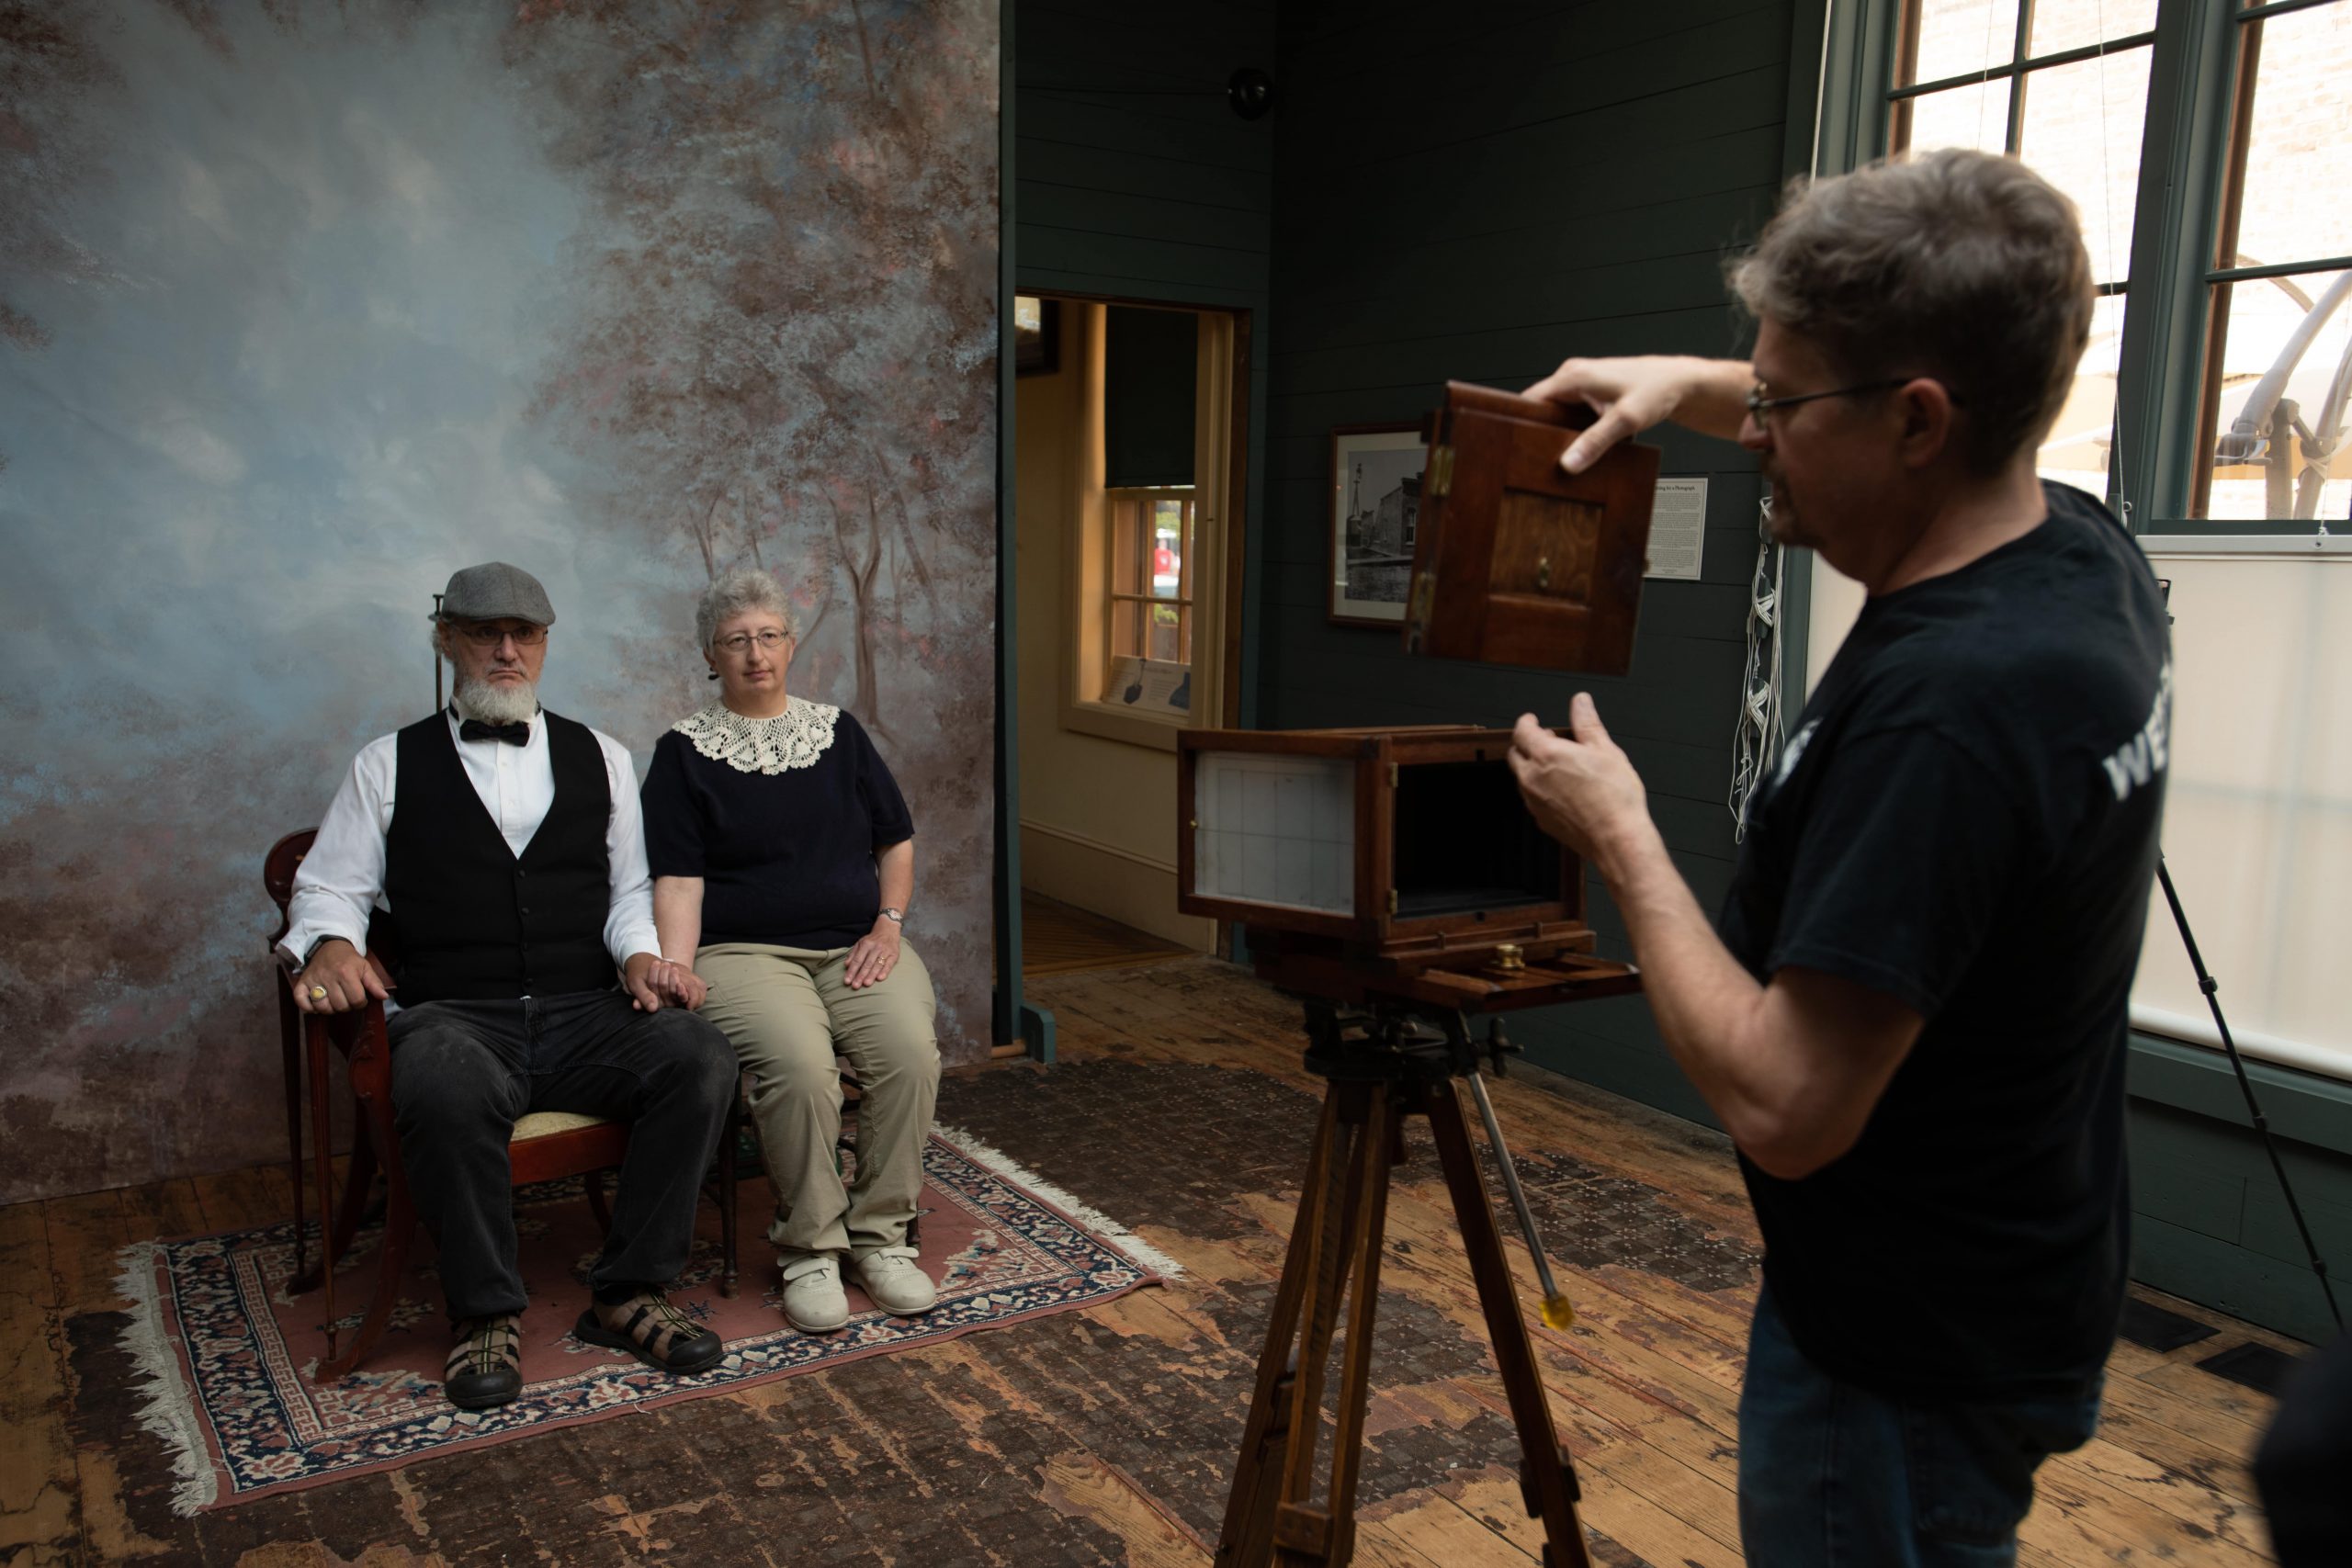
[1005, 1167]
[166, 1408]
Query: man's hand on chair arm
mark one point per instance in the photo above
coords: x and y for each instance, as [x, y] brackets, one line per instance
[337, 977]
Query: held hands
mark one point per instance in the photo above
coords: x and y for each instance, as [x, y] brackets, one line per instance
[876, 954]
[338, 978]
[653, 981]
[1582, 791]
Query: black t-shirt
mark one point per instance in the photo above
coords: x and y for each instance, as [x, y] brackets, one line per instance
[1964, 818]
[786, 857]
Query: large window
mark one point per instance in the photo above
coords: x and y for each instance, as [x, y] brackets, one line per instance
[2280, 356]
[2063, 84]
[2207, 145]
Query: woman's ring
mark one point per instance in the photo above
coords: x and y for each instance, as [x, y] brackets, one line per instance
[318, 993]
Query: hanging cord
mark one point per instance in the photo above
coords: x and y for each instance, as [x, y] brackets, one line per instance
[2212, 987]
[1757, 737]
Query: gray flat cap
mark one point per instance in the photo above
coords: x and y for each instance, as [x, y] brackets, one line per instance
[495, 591]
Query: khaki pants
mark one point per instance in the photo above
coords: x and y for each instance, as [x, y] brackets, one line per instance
[788, 1011]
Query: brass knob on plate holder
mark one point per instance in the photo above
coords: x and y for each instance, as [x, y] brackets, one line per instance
[1509, 955]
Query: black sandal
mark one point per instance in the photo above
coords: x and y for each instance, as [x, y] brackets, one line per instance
[649, 1327]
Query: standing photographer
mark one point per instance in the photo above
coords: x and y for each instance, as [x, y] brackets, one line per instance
[1911, 1013]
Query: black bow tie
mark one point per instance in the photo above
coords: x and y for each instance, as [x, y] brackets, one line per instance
[516, 734]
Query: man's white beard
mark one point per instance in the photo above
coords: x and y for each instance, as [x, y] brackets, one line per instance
[496, 703]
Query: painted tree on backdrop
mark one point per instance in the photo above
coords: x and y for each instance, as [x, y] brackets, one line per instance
[790, 223]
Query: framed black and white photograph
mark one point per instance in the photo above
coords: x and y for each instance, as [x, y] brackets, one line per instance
[1376, 509]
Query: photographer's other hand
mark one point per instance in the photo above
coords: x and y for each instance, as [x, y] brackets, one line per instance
[338, 978]
[1581, 788]
[1630, 395]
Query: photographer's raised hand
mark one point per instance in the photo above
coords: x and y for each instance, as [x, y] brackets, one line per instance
[1630, 395]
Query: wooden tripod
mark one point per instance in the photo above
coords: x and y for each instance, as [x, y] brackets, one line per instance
[1335, 1251]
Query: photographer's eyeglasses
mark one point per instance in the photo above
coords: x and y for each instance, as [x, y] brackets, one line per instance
[1760, 401]
[741, 643]
[490, 636]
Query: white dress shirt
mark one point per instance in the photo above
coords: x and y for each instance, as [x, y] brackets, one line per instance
[343, 876]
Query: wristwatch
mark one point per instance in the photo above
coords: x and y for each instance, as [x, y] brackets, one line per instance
[896, 916]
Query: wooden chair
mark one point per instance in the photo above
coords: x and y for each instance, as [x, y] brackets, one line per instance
[546, 1145]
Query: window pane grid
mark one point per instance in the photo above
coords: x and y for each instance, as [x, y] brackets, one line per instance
[1149, 596]
[2271, 429]
[2070, 99]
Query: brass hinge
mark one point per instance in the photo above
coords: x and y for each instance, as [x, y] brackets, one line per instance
[1392, 775]
[1437, 475]
[1392, 900]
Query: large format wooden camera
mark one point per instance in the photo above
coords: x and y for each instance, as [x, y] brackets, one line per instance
[1372, 864]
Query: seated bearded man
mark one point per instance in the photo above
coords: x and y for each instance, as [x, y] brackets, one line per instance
[501, 847]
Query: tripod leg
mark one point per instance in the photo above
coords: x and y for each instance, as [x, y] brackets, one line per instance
[1378, 1150]
[1546, 1479]
[1245, 1538]
[1302, 1535]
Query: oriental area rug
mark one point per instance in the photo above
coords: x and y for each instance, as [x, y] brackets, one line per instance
[225, 1354]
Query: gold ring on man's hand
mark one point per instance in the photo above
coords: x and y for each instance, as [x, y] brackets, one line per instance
[318, 993]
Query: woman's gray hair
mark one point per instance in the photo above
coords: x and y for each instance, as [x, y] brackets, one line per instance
[1960, 266]
[732, 594]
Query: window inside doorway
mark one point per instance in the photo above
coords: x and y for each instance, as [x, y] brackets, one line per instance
[1149, 591]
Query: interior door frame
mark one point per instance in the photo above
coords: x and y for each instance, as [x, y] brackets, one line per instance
[1014, 1019]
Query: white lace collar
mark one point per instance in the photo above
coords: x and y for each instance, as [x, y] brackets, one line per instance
[793, 738]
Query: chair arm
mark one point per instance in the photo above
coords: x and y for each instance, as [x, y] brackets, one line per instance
[365, 1041]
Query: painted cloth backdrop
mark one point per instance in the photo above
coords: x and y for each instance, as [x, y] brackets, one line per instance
[303, 305]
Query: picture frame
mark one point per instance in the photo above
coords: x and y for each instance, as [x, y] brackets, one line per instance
[1036, 335]
[1372, 510]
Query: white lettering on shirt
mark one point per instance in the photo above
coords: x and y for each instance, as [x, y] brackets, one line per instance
[2143, 756]
[1791, 751]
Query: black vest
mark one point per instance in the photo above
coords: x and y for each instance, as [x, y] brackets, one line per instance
[470, 922]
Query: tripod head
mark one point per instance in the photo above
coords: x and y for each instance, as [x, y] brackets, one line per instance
[1392, 1042]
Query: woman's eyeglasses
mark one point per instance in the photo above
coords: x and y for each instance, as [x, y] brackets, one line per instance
[741, 642]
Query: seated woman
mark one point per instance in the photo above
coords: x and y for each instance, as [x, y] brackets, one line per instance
[783, 859]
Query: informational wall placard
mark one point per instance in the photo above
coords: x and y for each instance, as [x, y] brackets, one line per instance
[1677, 529]
[1154, 685]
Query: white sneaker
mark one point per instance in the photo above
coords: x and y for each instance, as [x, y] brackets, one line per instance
[897, 1282]
[814, 1302]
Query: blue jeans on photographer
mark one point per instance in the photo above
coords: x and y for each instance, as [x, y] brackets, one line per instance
[1832, 1475]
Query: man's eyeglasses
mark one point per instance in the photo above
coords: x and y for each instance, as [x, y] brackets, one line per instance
[1760, 401]
[741, 642]
[525, 636]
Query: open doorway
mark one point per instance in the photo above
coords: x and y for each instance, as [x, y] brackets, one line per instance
[1127, 536]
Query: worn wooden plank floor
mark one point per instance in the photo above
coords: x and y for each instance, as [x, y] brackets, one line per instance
[1061, 939]
[1107, 1436]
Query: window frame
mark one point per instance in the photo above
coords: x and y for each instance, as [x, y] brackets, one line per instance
[1115, 502]
[2188, 141]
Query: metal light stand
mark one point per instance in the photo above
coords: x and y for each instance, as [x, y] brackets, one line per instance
[2212, 987]
[1383, 1066]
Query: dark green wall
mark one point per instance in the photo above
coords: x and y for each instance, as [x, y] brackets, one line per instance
[1134, 179]
[1479, 193]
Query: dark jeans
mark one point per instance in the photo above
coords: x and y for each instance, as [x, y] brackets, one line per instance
[1832, 1475]
[464, 1072]
[2304, 1466]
